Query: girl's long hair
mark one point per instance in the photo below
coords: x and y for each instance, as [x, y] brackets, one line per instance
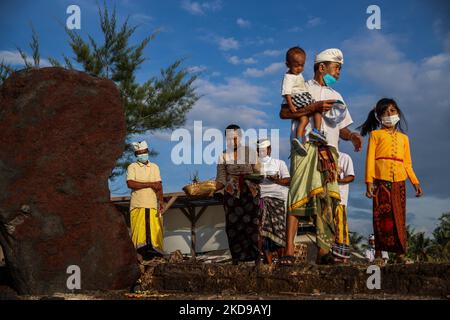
[373, 120]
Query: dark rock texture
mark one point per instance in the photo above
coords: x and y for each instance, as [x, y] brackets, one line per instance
[426, 279]
[61, 133]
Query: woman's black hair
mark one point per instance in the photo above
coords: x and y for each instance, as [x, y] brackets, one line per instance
[372, 122]
[232, 127]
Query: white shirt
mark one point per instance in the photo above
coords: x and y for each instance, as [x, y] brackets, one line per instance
[293, 84]
[370, 254]
[269, 188]
[320, 93]
[345, 169]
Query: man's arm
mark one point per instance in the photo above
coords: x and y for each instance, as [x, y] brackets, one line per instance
[160, 195]
[281, 181]
[354, 137]
[319, 106]
[346, 179]
[136, 185]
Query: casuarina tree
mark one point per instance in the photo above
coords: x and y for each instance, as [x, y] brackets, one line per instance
[161, 102]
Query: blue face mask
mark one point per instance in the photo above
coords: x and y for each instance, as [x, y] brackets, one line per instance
[329, 80]
[142, 158]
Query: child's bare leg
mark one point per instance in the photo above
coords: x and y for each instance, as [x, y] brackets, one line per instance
[302, 123]
[318, 121]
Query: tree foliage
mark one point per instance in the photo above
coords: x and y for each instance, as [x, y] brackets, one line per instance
[159, 103]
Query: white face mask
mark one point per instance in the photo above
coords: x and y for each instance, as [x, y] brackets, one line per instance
[390, 121]
[264, 159]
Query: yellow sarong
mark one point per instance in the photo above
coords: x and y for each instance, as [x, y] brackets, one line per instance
[139, 229]
[342, 236]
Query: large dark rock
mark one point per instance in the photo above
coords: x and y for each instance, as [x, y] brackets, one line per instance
[60, 134]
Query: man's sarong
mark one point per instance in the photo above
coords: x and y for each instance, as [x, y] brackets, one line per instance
[314, 194]
[273, 223]
[341, 247]
[389, 213]
[146, 229]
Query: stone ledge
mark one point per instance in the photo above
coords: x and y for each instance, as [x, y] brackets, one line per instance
[425, 279]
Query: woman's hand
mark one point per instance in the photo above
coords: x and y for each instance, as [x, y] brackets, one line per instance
[419, 191]
[370, 190]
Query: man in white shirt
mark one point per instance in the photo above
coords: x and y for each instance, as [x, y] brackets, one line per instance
[341, 247]
[371, 253]
[314, 190]
[273, 201]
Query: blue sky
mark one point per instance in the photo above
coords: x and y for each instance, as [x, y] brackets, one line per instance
[239, 48]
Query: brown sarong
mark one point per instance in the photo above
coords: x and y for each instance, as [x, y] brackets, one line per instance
[389, 216]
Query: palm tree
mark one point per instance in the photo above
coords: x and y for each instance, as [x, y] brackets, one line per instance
[355, 241]
[441, 242]
[419, 245]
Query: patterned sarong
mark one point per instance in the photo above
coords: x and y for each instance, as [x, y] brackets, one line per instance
[242, 223]
[341, 246]
[389, 213]
[314, 191]
[273, 223]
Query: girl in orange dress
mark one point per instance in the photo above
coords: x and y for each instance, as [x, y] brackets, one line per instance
[388, 165]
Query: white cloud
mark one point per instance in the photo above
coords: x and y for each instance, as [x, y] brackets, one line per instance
[420, 87]
[249, 61]
[271, 69]
[142, 18]
[236, 60]
[427, 211]
[220, 103]
[314, 22]
[243, 23]
[200, 8]
[197, 69]
[161, 135]
[272, 53]
[234, 91]
[226, 44]
[295, 29]
[259, 41]
[437, 61]
[14, 58]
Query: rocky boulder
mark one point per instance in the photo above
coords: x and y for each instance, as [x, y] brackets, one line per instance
[61, 132]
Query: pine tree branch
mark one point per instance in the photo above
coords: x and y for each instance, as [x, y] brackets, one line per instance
[34, 45]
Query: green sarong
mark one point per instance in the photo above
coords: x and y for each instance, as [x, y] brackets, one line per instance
[310, 198]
